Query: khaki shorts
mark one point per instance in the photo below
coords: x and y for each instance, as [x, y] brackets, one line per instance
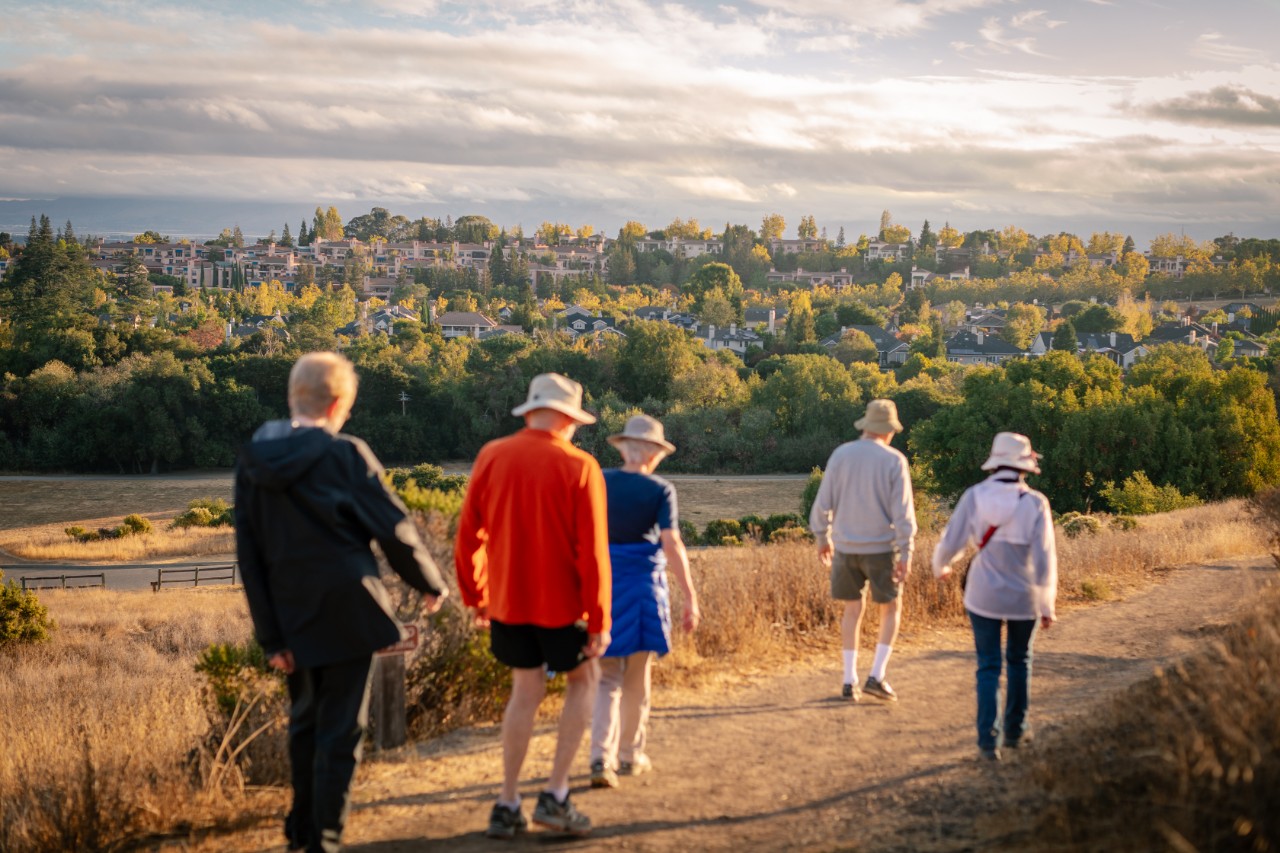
[850, 573]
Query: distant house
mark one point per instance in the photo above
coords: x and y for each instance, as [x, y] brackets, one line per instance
[1184, 332]
[878, 250]
[734, 338]
[768, 317]
[980, 348]
[889, 349]
[1121, 348]
[463, 324]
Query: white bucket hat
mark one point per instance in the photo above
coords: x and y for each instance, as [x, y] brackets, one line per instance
[881, 418]
[1012, 450]
[643, 428]
[558, 393]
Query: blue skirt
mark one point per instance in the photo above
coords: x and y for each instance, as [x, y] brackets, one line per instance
[641, 600]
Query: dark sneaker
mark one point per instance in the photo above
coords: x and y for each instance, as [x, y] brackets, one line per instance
[505, 822]
[1018, 742]
[989, 754]
[851, 692]
[637, 766]
[602, 775]
[560, 815]
[880, 690]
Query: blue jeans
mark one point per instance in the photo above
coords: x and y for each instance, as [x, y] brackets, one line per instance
[986, 639]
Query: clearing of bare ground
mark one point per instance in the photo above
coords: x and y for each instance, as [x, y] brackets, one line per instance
[780, 763]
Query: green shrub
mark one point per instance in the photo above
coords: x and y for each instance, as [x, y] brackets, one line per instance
[455, 681]
[717, 530]
[781, 520]
[1075, 524]
[754, 527]
[447, 503]
[247, 707]
[229, 667]
[689, 533]
[790, 534]
[23, 619]
[1137, 495]
[810, 493]
[135, 525]
[426, 476]
[1124, 523]
[206, 512]
[195, 517]
[1095, 590]
[79, 534]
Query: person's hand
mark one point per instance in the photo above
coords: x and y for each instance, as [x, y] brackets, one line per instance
[596, 644]
[900, 571]
[944, 574]
[1046, 622]
[692, 616]
[432, 603]
[282, 661]
[480, 617]
[825, 550]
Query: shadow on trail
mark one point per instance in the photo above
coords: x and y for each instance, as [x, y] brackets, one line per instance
[544, 840]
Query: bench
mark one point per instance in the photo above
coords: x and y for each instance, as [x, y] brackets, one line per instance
[194, 575]
[39, 581]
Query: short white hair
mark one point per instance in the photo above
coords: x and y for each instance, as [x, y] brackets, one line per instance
[638, 452]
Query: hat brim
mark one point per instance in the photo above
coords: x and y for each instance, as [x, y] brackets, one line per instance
[879, 427]
[665, 445]
[1020, 464]
[583, 417]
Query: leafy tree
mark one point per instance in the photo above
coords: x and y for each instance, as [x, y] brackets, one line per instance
[1065, 338]
[807, 394]
[712, 277]
[808, 228]
[855, 345]
[950, 237]
[1098, 319]
[773, 227]
[1022, 323]
[651, 358]
[800, 327]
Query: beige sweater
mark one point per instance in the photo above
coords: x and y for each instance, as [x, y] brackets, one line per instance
[865, 505]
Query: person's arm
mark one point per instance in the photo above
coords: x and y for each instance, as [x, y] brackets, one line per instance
[253, 576]
[820, 517]
[595, 575]
[470, 561]
[678, 560]
[1044, 556]
[955, 537]
[386, 519]
[904, 520]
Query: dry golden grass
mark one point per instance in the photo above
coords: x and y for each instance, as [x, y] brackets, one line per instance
[102, 726]
[49, 542]
[24, 503]
[1188, 759]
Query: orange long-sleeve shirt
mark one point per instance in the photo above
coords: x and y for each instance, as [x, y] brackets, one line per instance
[533, 538]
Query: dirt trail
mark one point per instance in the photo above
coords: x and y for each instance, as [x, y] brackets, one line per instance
[784, 765]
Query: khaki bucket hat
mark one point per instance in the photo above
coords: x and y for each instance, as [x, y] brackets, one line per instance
[881, 418]
[643, 428]
[556, 392]
[1012, 450]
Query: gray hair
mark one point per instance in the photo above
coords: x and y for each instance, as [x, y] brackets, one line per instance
[637, 452]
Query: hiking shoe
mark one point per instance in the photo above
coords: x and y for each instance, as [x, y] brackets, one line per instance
[602, 775]
[879, 689]
[559, 815]
[505, 822]
[636, 766]
[992, 755]
[851, 691]
[1018, 742]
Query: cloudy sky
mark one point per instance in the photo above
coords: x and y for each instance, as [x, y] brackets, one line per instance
[1139, 115]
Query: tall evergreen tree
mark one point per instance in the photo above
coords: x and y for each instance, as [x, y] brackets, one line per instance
[286, 239]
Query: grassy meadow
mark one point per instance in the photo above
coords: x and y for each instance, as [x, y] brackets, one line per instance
[109, 737]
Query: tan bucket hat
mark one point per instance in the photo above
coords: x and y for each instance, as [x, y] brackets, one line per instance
[1012, 450]
[881, 418]
[556, 392]
[643, 428]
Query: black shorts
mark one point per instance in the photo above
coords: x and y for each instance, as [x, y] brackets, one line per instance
[531, 646]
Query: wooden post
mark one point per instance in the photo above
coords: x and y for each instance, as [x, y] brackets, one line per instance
[387, 705]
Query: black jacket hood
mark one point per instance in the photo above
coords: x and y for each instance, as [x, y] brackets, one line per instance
[280, 454]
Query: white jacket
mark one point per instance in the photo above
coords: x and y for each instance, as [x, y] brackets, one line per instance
[1016, 575]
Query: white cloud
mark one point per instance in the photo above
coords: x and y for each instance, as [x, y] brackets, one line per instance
[714, 187]
[1215, 47]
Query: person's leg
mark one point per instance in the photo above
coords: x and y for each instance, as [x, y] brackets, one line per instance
[1018, 690]
[890, 618]
[635, 705]
[850, 628]
[986, 641]
[580, 686]
[528, 687]
[302, 749]
[342, 715]
[604, 719]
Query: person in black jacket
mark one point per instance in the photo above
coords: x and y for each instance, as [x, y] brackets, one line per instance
[308, 503]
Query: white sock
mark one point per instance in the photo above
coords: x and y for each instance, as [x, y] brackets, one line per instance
[514, 806]
[881, 662]
[559, 793]
[850, 666]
